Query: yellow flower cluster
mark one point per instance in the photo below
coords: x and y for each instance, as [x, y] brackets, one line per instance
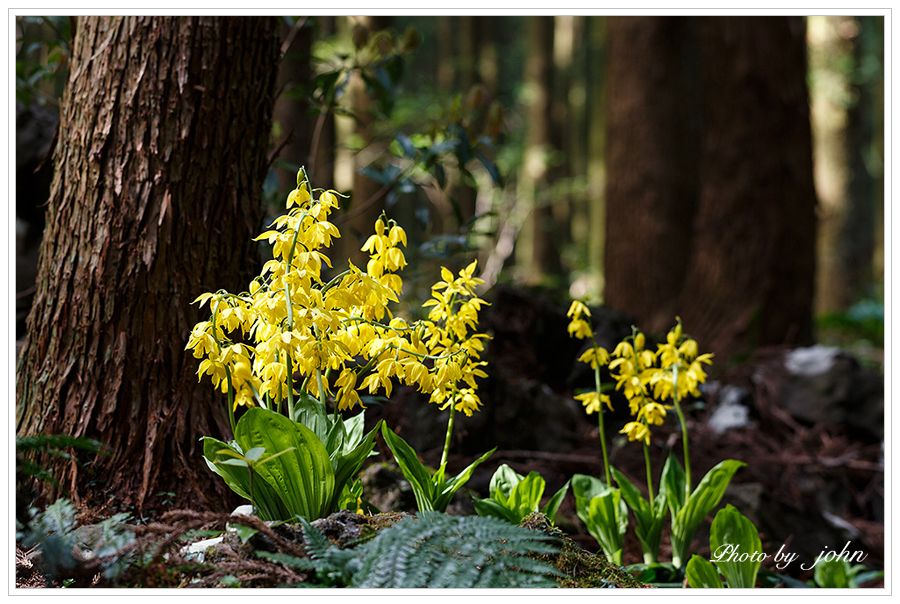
[681, 367]
[677, 376]
[298, 323]
[634, 369]
[595, 356]
[637, 375]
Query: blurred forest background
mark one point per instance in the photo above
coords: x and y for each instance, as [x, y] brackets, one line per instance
[728, 170]
[490, 137]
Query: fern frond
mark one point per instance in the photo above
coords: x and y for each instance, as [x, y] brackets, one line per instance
[437, 550]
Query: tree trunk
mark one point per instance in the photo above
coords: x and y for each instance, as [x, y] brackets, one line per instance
[858, 236]
[357, 218]
[537, 253]
[596, 169]
[159, 169]
[292, 107]
[324, 137]
[751, 275]
[725, 238]
[651, 165]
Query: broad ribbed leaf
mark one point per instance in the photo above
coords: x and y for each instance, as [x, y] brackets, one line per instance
[268, 502]
[701, 502]
[701, 574]
[672, 484]
[606, 518]
[526, 496]
[552, 506]
[586, 487]
[649, 520]
[346, 465]
[502, 483]
[310, 412]
[303, 477]
[732, 533]
[419, 478]
[492, 507]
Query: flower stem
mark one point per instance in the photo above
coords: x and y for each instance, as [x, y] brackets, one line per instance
[290, 387]
[447, 438]
[649, 474]
[602, 431]
[230, 401]
[684, 434]
[321, 389]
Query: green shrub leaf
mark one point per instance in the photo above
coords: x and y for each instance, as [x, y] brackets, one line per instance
[732, 533]
[700, 503]
[304, 477]
[701, 573]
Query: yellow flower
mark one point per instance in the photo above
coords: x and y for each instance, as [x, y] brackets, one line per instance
[636, 431]
[653, 412]
[580, 329]
[576, 309]
[467, 402]
[595, 356]
[592, 401]
[623, 350]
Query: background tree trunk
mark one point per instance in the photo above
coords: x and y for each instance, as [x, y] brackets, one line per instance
[858, 236]
[357, 217]
[536, 250]
[292, 106]
[717, 228]
[652, 165]
[750, 281]
[159, 169]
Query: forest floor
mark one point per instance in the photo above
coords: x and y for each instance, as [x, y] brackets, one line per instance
[808, 487]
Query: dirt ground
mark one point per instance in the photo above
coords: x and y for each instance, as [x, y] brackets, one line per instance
[806, 486]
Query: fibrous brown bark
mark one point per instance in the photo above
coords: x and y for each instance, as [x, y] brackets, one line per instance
[711, 206]
[651, 165]
[159, 168]
[752, 266]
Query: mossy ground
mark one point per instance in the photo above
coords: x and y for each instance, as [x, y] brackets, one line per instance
[580, 568]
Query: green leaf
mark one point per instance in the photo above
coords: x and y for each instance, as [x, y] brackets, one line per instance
[409, 150]
[502, 483]
[418, 476]
[303, 478]
[452, 485]
[835, 574]
[732, 533]
[309, 412]
[266, 500]
[254, 454]
[649, 520]
[606, 518]
[586, 487]
[235, 462]
[354, 427]
[672, 484]
[245, 532]
[700, 503]
[350, 460]
[525, 497]
[701, 573]
[552, 506]
[492, 507]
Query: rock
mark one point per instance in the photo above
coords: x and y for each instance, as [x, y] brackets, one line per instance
[826, 385]
[731, 412]
[385, 487]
